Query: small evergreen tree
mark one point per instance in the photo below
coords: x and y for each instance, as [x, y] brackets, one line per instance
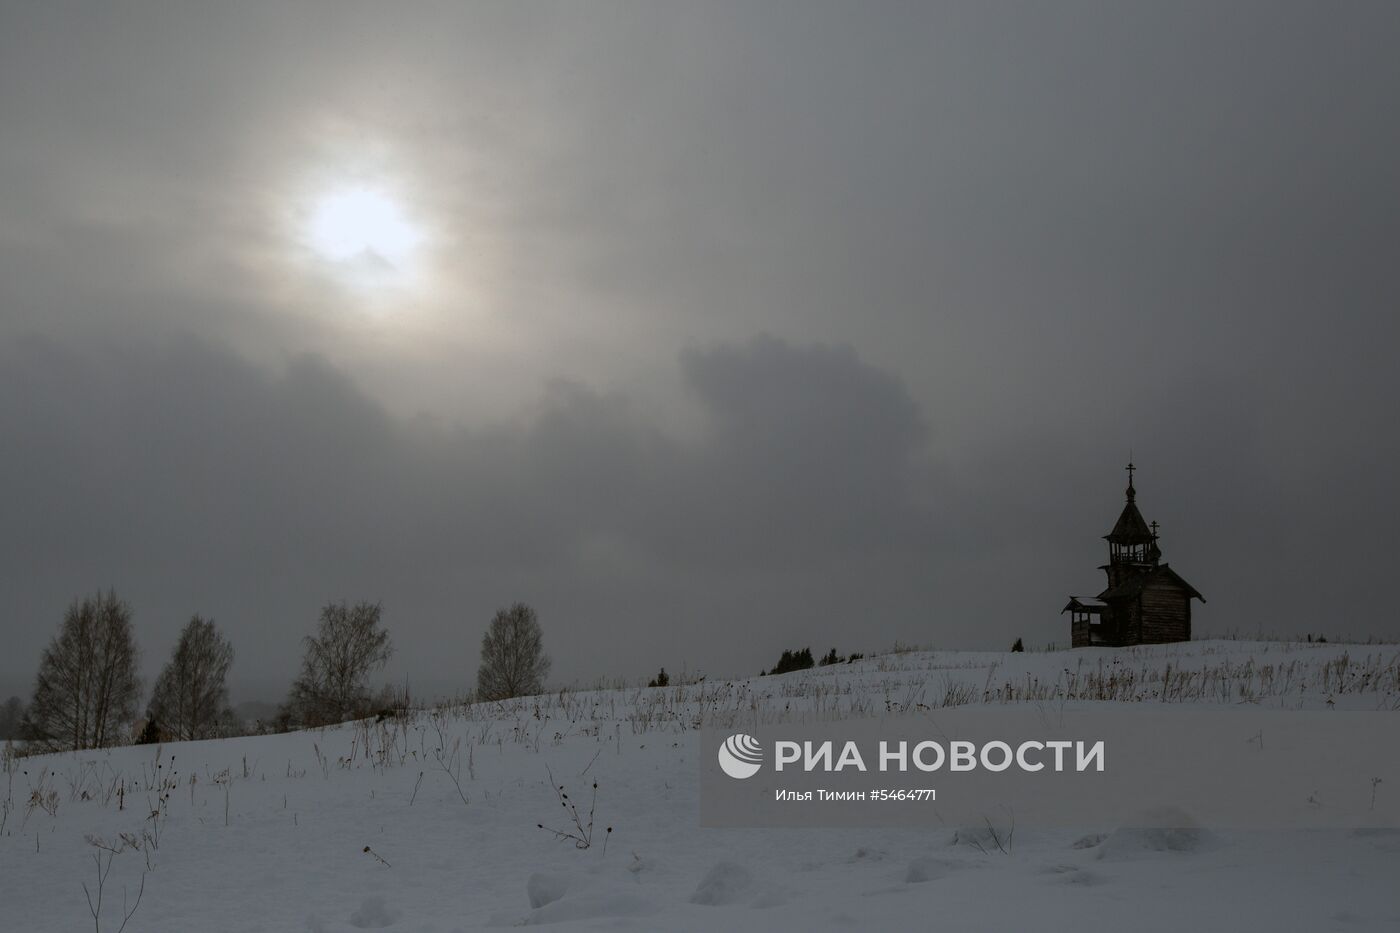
[150, 733]
[793, 661]
[1018, 646]
[12, 719]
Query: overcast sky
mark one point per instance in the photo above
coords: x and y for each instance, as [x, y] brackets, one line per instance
[710, 329]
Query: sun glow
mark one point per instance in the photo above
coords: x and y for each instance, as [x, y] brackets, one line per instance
[363, 226]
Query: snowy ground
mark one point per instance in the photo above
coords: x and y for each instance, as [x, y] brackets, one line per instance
[271, 833]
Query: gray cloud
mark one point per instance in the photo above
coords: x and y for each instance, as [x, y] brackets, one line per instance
[809, 506]
[194, 481]
[996, 247]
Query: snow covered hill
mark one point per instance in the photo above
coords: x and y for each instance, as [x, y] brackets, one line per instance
[432, 822]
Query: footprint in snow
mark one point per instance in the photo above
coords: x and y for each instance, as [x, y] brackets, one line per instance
[725, 883]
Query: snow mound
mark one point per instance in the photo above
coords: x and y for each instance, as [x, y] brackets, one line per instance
[592, 905]
[726, 883]
[546, 888]
[1161, 829]
[866, 853]
[926, 869]
[981, 838]
[1072, 875]
[373, 914]
[569, 897]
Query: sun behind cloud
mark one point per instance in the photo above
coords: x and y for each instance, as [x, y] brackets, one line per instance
[357, 224]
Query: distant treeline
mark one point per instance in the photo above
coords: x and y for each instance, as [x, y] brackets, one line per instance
[87, 690]
[801, 660]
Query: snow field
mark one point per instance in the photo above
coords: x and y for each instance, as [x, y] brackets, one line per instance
[364, 826]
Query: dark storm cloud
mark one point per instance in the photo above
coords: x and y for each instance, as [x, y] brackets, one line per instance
[997, 246]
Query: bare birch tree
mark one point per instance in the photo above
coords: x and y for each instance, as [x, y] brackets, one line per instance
[334, 682]
[87, 690]
[190, 700]
[513, 662]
